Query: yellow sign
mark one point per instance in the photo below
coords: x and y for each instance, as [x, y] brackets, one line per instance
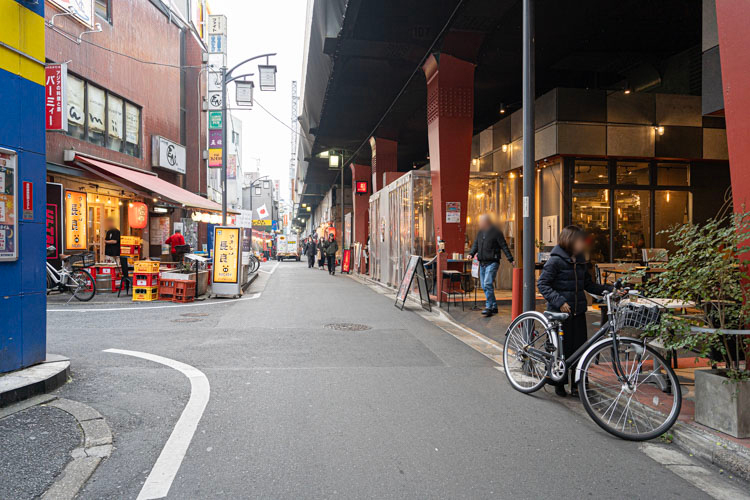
[214, 157]
[75, 220]
[226, 254]
[261, 222]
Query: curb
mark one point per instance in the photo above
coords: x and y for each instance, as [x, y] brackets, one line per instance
[719, 451]
[34, 380]
[97, 445]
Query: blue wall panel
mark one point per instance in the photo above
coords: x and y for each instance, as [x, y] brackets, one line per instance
[23, 282]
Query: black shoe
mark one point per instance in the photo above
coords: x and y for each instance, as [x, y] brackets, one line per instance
[560, 391]
[494, 310]
[574, 392]
[487, 313]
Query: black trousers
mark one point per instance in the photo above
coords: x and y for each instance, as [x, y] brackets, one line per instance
[331, 263]
[575, 331]
[322, 261]
[124, 266]
[310, 261]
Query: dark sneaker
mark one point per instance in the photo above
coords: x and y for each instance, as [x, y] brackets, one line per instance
[494, 310]
[487, 313]
[560, 391]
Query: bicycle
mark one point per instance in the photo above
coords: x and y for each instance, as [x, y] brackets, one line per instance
[72, 277]
[625, 385]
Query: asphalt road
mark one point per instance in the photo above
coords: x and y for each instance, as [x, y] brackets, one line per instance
[301, 410]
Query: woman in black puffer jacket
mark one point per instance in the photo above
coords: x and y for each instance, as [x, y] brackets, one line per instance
[562, 283]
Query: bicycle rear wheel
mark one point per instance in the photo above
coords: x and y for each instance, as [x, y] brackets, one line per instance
[645, 406]
[526, 371]
[82, 285]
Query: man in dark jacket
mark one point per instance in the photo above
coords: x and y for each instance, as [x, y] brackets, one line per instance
[487, 247]
[331, 247]
[311, 250]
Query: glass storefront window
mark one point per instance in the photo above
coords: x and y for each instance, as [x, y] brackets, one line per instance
[673, 174]
[633, 173]
[632, 224]
[671, 208]
[591, 212]
[591, 172]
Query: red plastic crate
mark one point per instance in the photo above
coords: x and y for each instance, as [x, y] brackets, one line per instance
[184, 291]
[146, 279]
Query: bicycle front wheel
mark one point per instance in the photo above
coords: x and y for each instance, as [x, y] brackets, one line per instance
[526, 370]
[643, 406]
[82, 285]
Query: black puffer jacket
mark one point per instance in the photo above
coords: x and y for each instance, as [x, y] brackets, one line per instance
[488, 245]
[564, 280]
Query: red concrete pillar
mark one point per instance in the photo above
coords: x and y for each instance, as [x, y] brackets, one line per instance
[734, 40]
[450, 125]
[384, 159]
[360, 207]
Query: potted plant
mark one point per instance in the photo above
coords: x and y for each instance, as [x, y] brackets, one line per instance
[709, 269]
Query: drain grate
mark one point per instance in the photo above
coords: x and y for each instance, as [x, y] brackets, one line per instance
[186, 320]
[348, 327]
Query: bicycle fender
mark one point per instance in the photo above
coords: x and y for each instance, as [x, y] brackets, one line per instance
[536, 315]
[579, 365]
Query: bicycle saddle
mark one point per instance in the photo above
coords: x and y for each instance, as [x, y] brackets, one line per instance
[556, 316]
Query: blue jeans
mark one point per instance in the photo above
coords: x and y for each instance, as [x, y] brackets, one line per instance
[487, 275]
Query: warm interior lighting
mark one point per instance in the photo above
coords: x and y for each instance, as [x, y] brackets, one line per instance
[667, 196]
[659, 130]
[474, 162]
[505, 148]
[626, 91]
[512, 175]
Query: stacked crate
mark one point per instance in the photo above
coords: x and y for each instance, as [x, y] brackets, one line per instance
[184, 291]
[166, 289]
[146, 281]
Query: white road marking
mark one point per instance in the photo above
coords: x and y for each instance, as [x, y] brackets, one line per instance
[165, 469]
[171, 306]
[272, 270]
[691, 471]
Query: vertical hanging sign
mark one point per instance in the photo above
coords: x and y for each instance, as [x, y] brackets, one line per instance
[76, 211]
[55, 96]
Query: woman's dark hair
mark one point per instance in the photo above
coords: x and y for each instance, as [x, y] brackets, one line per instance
[568, 236]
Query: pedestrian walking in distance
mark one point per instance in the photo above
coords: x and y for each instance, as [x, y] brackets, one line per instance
[564, 278]
[331, 248]
[487, 247]
[322, 248]
[311, 250]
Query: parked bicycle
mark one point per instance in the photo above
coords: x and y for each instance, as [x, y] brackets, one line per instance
[72, 277]
[625, 385]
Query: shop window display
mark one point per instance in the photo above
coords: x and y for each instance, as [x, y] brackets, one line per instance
[591, 211]
[633, 173]
[591, 172]
[632, 224]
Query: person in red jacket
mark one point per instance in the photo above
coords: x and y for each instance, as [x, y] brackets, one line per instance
[175, 241]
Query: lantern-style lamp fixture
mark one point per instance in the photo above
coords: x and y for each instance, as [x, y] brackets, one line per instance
[267, 77]
[244, 89]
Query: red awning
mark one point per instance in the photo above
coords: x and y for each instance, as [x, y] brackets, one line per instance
[147, 181]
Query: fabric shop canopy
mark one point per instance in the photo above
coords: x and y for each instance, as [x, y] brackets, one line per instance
[146, 181]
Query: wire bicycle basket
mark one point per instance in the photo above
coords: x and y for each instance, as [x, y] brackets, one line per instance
[82, 260]
[636, 316]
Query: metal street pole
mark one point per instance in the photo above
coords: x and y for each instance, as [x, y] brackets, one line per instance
[224, 155]
[529, 164]
[341, 236]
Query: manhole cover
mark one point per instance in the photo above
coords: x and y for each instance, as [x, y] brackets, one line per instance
[194, 315]
[186, 320]
[348, 327]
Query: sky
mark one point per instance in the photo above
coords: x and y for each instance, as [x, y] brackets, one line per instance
[257, 27]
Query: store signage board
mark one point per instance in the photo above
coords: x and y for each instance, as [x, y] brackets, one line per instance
[56, 96]
[227, 261]
[215, 100]
[346, 261]
[362, 187]
[261, 223]
[168, 155]
[452, 212]
[214, 81]
[28, 200]
[215, 138]
[76, 211]
[217, 44]
[415, 268]
[53, 219]
[8, 205]
[217, 61]
[214, 120]
[214, 158]
[246, 219]
[217, 25]
[80, 10]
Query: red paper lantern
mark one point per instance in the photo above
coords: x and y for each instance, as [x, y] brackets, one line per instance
[137, 215]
